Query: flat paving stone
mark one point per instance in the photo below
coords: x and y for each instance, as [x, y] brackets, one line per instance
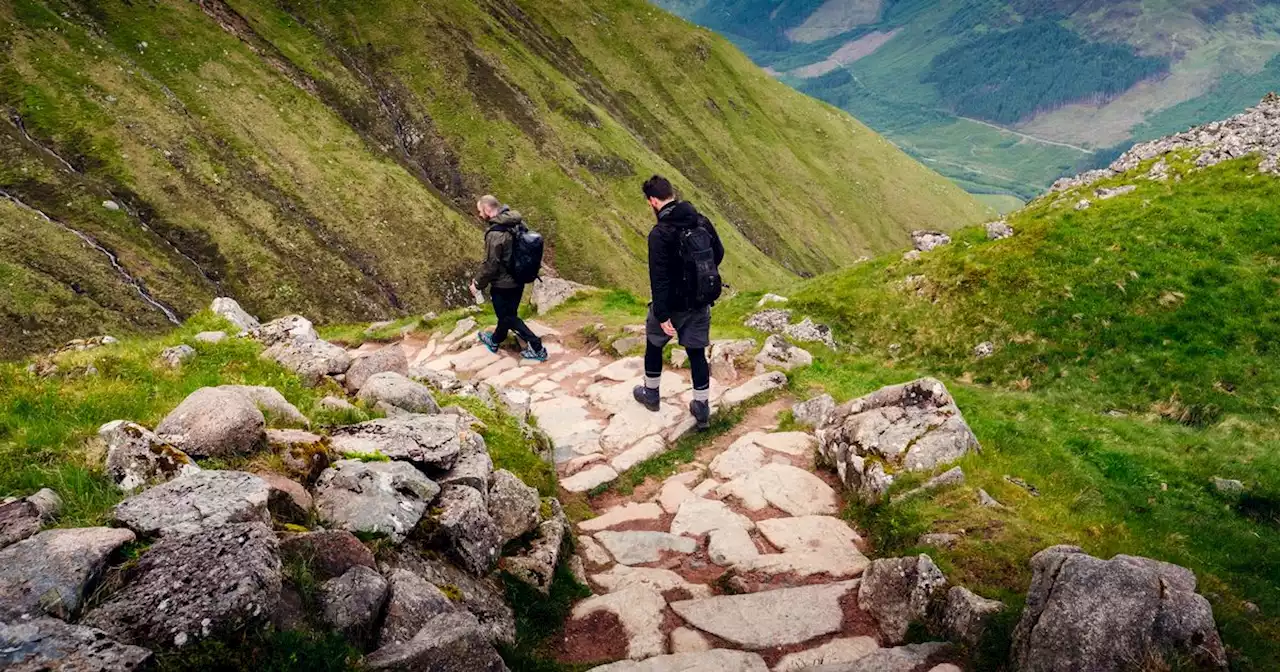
[740, 459]
[773, 618]
[621, 515]
[592, 552]
[731, 546]
[587, 479]
[843, 650]
[620, 577]
[672, 495]
[638, 548]
[648, 448]
[792, 443]
[640, 610]
[715, 660]
[809, 533]
[753, 388]
[699, 516]
[791, 489]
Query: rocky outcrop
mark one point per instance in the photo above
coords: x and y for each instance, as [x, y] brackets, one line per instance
[396, 390]
[536, 564]
[450, 642]
[137, 457]
[312, 361]
[388, 359]
[288, 329]
[778, 353]
[386, 498]
[1094, 615]
[548, 293]
[430, 442]
[51, 572]
[195, 502]
[900, 591]
[213, 422]
[466, 531]
[46, 644]
[231, 311]
[190, 587]
[966, 616]
[999, 230]
[770, 321]
[925, 241]
[815, 412]
[513, 505]
[484, 597]
[915, 426]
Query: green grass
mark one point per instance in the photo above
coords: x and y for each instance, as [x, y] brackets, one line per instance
[509, 445]
[539, 619]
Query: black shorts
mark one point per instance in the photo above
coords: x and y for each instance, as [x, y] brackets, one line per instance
[693, 328]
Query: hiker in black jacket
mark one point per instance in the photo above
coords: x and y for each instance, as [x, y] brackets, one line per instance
[673, 311]
[505, 291]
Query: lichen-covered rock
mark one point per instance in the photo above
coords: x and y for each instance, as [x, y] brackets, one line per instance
[288, 329]
[430, 442]
[310, 360]
[173, 357]
[770, 321]
[374, 497]
[227, 578]
[548, 293]
[305, 455]
[466, 530]
[777, 352]
[1094, 615]
[387, 359]
[900, 591]
[273, 405]
[484, 597]
[229, 310]
[966, 616]
[513, 505]
[352, 603]
[213, 422]
[915, 426]
[536, 564]
[137, 457]
[474, 467]
[205, 499]
[47, 644]
[450, 642]
[396, 390]
[925, 241]
[18, 520]
[50, 572]
[999, 230]
[413, 602]
[815, 412]
[808, 331]
[327, 553]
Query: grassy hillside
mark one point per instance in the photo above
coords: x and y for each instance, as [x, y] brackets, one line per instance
[322, 157]
[1006, 95]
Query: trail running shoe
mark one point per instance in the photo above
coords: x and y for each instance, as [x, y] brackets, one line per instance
[648, 397]
[486, 337]
[539, 355]
[701, 411]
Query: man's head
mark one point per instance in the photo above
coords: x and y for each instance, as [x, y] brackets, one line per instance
[658, 191]
[488, 207]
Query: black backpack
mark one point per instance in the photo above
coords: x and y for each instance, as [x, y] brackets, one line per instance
[701, 275]
[525, 263]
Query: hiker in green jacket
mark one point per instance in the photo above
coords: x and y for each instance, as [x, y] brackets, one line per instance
[504, 291]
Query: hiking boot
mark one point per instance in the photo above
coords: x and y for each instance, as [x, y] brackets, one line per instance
[486, 337]
[539, 355]
[701, 411]
[648, 397]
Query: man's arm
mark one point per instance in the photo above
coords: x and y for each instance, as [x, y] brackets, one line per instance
[492, 260]
[659, 277]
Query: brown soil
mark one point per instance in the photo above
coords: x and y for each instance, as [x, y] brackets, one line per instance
[758, 419]
[662, 524]
[598, 638]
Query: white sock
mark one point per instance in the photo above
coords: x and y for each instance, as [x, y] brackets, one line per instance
[652, 382]
[702, 395]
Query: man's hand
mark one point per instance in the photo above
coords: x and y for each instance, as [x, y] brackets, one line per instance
[669, 329]
[473, 287]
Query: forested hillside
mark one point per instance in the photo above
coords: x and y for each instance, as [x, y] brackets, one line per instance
[1004, 96]
[323, 157]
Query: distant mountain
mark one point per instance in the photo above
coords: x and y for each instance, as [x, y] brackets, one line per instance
[324, 157]
[1006, 95]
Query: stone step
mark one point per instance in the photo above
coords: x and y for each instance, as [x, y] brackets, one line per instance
[774, 618]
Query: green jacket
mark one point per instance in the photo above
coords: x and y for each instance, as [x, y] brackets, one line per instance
[497, 247]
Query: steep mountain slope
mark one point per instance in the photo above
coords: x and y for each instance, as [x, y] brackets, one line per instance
[323, 157]
[1006, 95]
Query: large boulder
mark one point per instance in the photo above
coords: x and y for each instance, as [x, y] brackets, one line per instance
[386, 498]
[914, 426]
[189, 587]
[466, 531]
[513, 505]
[201, 500]
[46, 644]
[310, 360]
[430, 442]
[777, 352]
[50, 572]
[137, 457]
[966, 616]
[548, 293]
[536, 563]
[484, 597]
[413, 602]
[288, 329]
[1094, 615]
[231, 311]
[273, 405]
[897, 592]
[327, 553]
[352, 603]
[387, 359]
[394, 389]
[449, 642]
[213, 422]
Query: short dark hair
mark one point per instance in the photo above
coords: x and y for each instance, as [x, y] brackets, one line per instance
[659, 187]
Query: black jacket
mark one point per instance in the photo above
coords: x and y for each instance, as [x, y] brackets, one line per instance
[497, 247]
[666, 269]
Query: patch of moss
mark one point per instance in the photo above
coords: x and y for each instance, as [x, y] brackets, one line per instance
[452, 592]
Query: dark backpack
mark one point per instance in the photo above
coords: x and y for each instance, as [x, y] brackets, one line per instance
[525, 263]
[701, 275]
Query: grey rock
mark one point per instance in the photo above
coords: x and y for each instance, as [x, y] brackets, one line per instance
[397, 390]
[174, 357]
[1084, 204]
[474, 467]
[137, 457]
[304, 455]
[715, 660]
[231, 311]
[310, 360]
[1105, 193]
[999, 230]
[925, 241]
[984, 349]
[628, 345]
[466, 530]
[212, 422]
[275, 408]
[770, 298]
[18, 520]
[387, 359]
[288, 501]
[374, 497]
[449, 642]
[900, 591]
[772, 618]
[808, 331]
[1094, 615]
[47, 644]
[948, 478]
[229, 578]
[441, 381]
[1227, 486]
[536, 564]
[771, 321]
[288, 329]
[513, 505]
[909, 658]
[430, 442]
[966, 616]
[914, 426]
[190, 503]
[211, 337]
[638, 548]
[777, 352]
[329, 554]
[48, 503]
[548, 293]
[815, 412]
[50, 572]
[484, 597]
[337, 404]
[985, 500]
[516, 402]
[938, 540]
[352, 603]
[413, 602]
